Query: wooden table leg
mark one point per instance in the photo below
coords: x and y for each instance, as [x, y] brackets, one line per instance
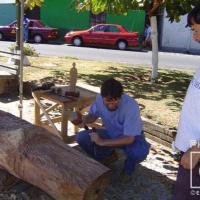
[37, 111]
[37, 101]
[76, 128]
[64, 124]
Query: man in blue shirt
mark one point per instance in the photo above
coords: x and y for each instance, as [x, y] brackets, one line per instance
[123, 127]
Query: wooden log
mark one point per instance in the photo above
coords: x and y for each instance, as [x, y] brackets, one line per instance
[7, 180]
[160, 133]
[158, 140]
[33, 154]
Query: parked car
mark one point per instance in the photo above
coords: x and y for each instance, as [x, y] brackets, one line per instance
[104, 34]
[37, 32]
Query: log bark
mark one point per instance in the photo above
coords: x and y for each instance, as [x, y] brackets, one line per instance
[36, 156]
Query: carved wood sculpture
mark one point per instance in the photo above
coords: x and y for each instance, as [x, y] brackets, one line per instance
[33, 154]
[73, 78]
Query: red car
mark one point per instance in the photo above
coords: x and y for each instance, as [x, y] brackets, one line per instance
[104, 34]
[37, 32]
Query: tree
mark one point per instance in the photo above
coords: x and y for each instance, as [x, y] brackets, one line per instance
[31, 3]
[174, 10]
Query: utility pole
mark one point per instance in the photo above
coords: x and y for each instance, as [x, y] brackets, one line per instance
[18, 14]
[21, 44]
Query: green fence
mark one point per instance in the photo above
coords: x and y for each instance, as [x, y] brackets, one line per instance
[133, 21]
[63, 15]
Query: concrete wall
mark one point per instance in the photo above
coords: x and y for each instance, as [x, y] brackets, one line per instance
[176, 37]
[7, 13]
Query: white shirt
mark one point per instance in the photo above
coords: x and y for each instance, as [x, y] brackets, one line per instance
[189, 123]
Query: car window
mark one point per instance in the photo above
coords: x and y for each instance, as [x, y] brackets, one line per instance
[39, 24]
[30, 24]
[35, 24]
[14, 24]
[98, 28]
[113, 29]
[107, 29]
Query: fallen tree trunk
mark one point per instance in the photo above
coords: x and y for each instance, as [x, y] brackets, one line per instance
[36, 156]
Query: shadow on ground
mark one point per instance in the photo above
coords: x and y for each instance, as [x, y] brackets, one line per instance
[136, 82]
[171, 84]
[146, 184]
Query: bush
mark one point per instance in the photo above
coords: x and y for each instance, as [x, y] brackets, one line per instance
[28, 50]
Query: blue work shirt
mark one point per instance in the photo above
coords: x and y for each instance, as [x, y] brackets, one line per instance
[125, 120]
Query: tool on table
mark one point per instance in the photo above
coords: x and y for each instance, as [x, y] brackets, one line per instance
[42, 86]
[64, 91]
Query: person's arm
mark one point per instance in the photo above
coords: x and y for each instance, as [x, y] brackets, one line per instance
[88, 119]
[81, 120]
[115, 142]
[185, 160]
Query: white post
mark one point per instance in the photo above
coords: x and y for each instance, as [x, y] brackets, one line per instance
[154, 39]
[20, 106]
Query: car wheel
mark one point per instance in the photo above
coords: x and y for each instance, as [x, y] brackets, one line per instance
[122, 45]
[37, 38]
[1, 36]
[77, 41]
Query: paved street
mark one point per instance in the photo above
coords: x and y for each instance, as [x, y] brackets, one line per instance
[166, 60]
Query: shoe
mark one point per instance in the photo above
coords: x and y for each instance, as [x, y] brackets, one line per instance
[124, 178]
[111, 159]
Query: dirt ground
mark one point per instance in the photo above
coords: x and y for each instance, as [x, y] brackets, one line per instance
[153, 179]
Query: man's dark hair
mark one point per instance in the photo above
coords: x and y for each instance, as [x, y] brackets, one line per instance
[194, 16]
[111, 88]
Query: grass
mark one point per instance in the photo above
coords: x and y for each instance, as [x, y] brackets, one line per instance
[162, 100]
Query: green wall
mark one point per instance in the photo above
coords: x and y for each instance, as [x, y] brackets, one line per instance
[7, 13]
[61, 14]
[133, 21]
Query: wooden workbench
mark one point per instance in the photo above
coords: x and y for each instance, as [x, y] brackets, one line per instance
[67, 105]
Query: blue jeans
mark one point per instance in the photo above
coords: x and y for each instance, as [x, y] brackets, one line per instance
[183, 191]
[26, 31]
[135, 152]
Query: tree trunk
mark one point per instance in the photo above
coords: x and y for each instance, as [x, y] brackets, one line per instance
[154, 39]
[33, 154]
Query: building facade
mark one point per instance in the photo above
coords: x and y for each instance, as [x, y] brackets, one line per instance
[7, 11]
[176, 37]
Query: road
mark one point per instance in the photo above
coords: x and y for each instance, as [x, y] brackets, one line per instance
[166, 59]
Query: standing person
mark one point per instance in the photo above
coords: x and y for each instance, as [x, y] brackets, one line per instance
[26, 22]
[188, 135]
[123, 128]
[147, 36]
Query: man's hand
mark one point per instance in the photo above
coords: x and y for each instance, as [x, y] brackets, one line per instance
[76, 118]
[96, 138]
[185, 160]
